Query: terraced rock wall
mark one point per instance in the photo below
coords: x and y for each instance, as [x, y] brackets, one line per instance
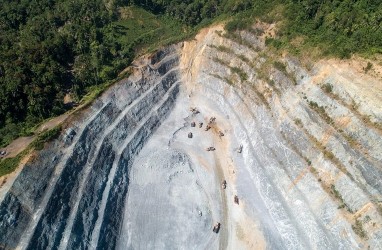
[310, 171]
[56, 200]
[299, 144]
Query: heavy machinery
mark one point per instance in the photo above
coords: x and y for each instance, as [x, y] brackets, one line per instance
[236, 199]
[224, 184]
[216, 227]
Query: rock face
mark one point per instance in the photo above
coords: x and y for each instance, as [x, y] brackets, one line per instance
[301, 149]
[56, 201]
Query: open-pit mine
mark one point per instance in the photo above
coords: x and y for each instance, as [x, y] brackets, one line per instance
[213, 143]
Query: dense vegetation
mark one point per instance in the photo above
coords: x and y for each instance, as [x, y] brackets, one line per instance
[337, 27]
[49, 48]
[194, 12]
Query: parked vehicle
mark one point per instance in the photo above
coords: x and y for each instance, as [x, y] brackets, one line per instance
[216, 227]
[236, 199]
[224, 184]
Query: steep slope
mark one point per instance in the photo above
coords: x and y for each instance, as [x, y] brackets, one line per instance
[54, 201]
[310, 171]
[301, 148]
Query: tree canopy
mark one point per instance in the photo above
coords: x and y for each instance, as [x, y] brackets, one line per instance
[49, 48]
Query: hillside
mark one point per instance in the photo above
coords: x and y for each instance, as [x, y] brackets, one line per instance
[299, 145]
[261, 130]
[54, 54]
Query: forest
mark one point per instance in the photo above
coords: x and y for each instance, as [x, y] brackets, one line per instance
[50, 48]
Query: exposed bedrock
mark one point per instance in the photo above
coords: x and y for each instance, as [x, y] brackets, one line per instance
[58, 205]
[301, 148]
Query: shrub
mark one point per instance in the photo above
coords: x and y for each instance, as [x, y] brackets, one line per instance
[368, 67]
[280, 66]
[276, 43]
[327, 87]
[358, 229]
[237, 24]
[241, 73]
[298, 122]
[46, 136]
[8, 165]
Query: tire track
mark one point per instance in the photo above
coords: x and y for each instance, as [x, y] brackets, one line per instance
[223, 234]
[270, 188]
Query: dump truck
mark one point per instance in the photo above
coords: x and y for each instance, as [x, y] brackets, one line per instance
[224, 184]
[190, 135]
[216, 227]
[236, 199]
